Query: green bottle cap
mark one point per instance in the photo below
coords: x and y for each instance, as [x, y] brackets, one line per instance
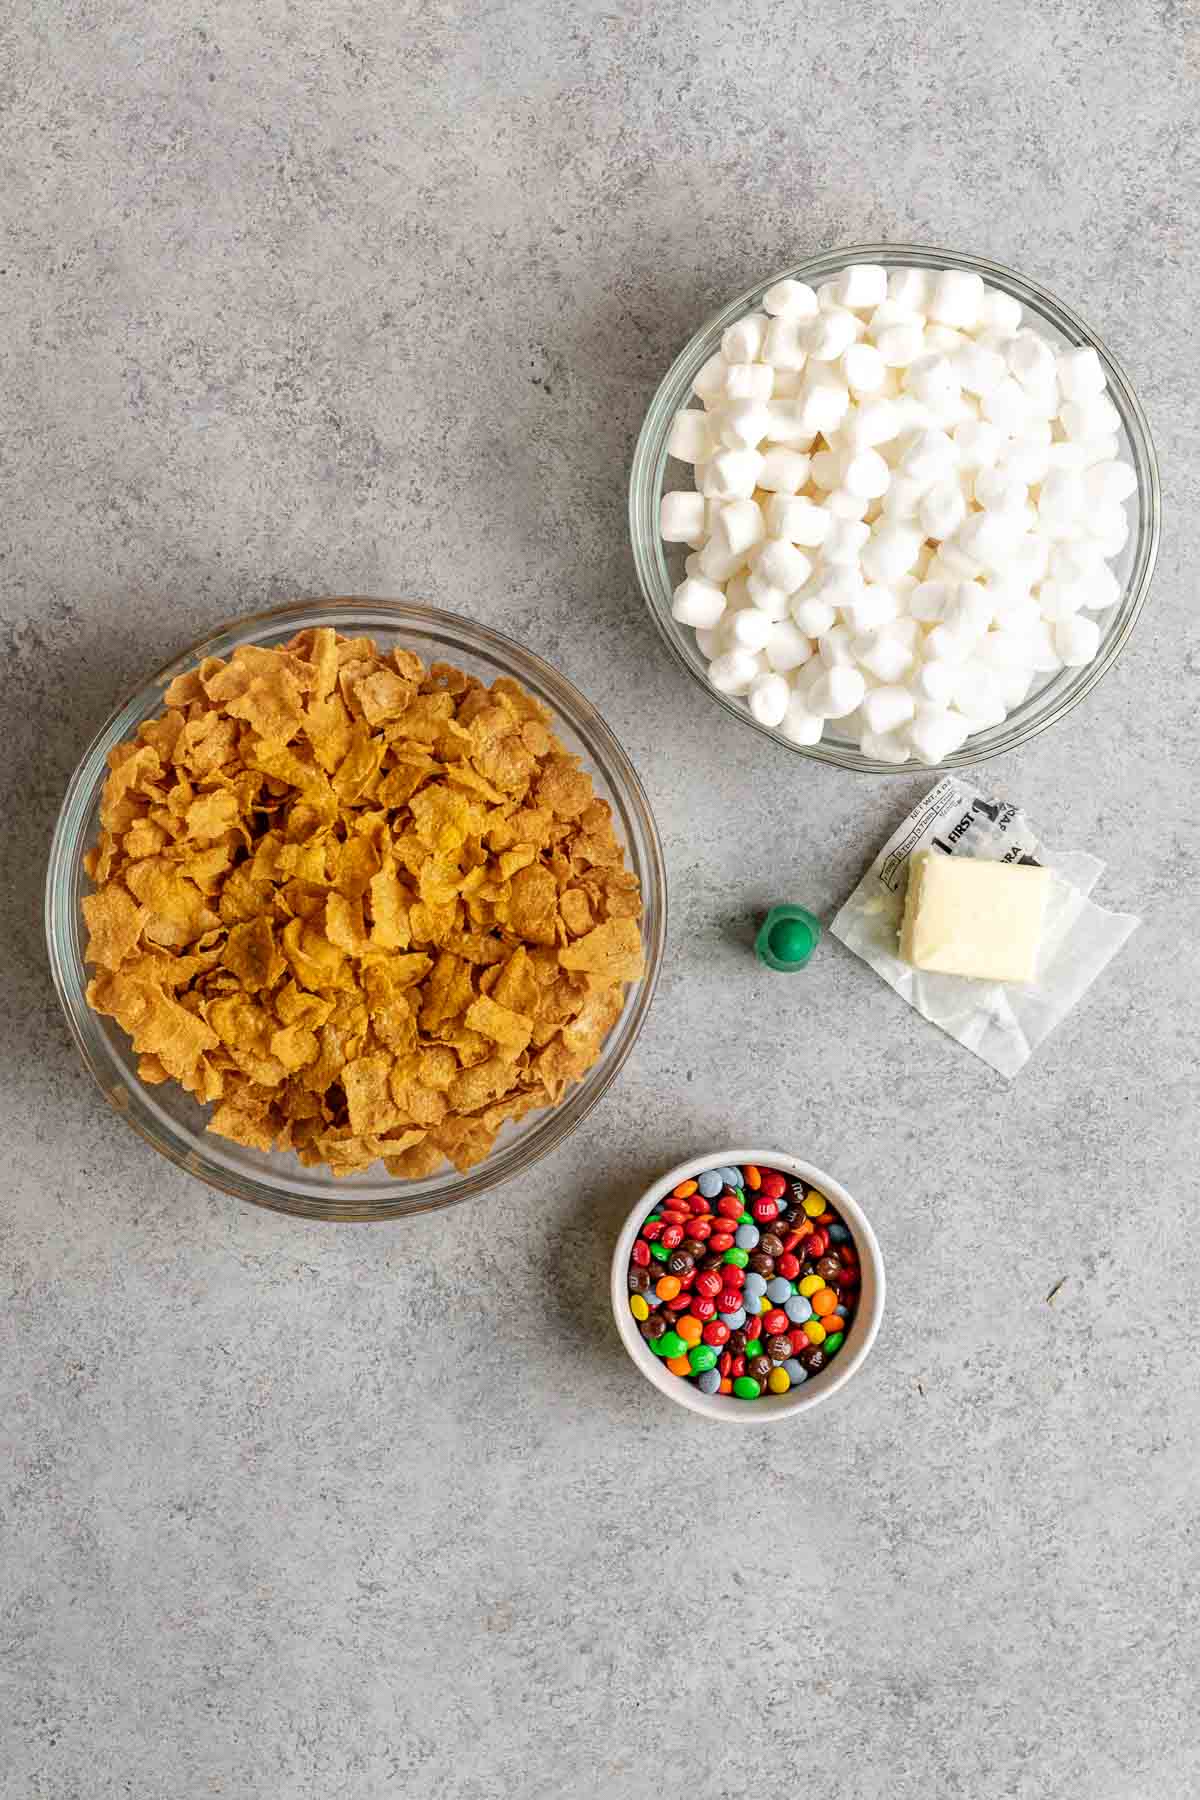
[787, 938]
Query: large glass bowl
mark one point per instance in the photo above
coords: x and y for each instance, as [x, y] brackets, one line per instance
[660, 565]
[168, 1117]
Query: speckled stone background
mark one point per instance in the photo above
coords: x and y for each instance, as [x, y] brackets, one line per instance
[300, 297]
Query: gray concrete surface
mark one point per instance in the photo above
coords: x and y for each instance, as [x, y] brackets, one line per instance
[301, 297]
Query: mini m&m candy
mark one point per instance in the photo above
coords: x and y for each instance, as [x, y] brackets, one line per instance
[744, 1281]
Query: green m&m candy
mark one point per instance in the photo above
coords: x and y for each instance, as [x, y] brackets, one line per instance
[746, 1388]
[670, 1344]
[701, 1357]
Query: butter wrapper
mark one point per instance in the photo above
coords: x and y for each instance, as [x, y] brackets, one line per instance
[1003, 1025]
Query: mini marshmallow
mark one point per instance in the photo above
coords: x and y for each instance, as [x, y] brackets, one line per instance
[933, 378]
[1031, 359]
[1109, 530]
[903, 499]
[773, 602]
[750, 629]
[781, 564]
[1026, 461]
[1014, 685]
[875, 422]
[838, 692]
[969, 613]
[957, 299]
[1058, 600]
[864, 369]
[717, 562]
[928, 457]
[884, 708]
[784, 345]
[1104, 449]
[787, 647]
[835, 651]
[742, 342]
[1109, 484]
[732, 474]
[1006, 649]
[801, 726]
[785, 383]
[942, 510]
[888, 746]
[690, 440]
[862, 286]
[733, 672]
[900, 345]
[798, 520]
[929, 601]
[744, 425]
[872, 607]
[783, 471]
[1080, 374]
[944, 338]
[739, 525]
[697, 602]
[884, 655]
[708, 641]
[937, 732]
[910, 288]
[1044, 658]
[944, 645]
[933, 683]
[749, 381]
[978, 370]
[1006, 405]
[709, 379]
[844, 543]
[999, 312]
[891, 551]
[988, 538]
[866, 475]
[829, 335]
[789, 425]
[978, 443]
[790, 300]
[1061, 499]
[825, 469]
[845, 505]
[681, 518]
[1091, 417]
[1076, 640]
[825, 400]
[998, 490]
[813, 616]
[1102, 590]
[769, 699]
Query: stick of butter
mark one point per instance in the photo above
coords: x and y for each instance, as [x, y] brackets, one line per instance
[968, 915]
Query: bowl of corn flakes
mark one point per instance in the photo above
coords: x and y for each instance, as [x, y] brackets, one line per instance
[355, 909]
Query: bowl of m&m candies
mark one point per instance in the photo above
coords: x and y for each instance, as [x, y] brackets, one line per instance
[747, 1285]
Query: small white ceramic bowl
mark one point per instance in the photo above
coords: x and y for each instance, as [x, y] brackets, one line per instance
[769, 1408]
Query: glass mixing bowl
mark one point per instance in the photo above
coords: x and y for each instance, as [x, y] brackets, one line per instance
[660, 565]
[168, 1117]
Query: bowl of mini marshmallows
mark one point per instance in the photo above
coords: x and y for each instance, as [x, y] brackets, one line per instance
[896, 506]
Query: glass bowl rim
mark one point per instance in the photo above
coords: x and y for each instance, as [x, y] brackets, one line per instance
[69, 973]
[644, 485]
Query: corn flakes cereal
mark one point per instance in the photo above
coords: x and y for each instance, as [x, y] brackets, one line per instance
[366, 910]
